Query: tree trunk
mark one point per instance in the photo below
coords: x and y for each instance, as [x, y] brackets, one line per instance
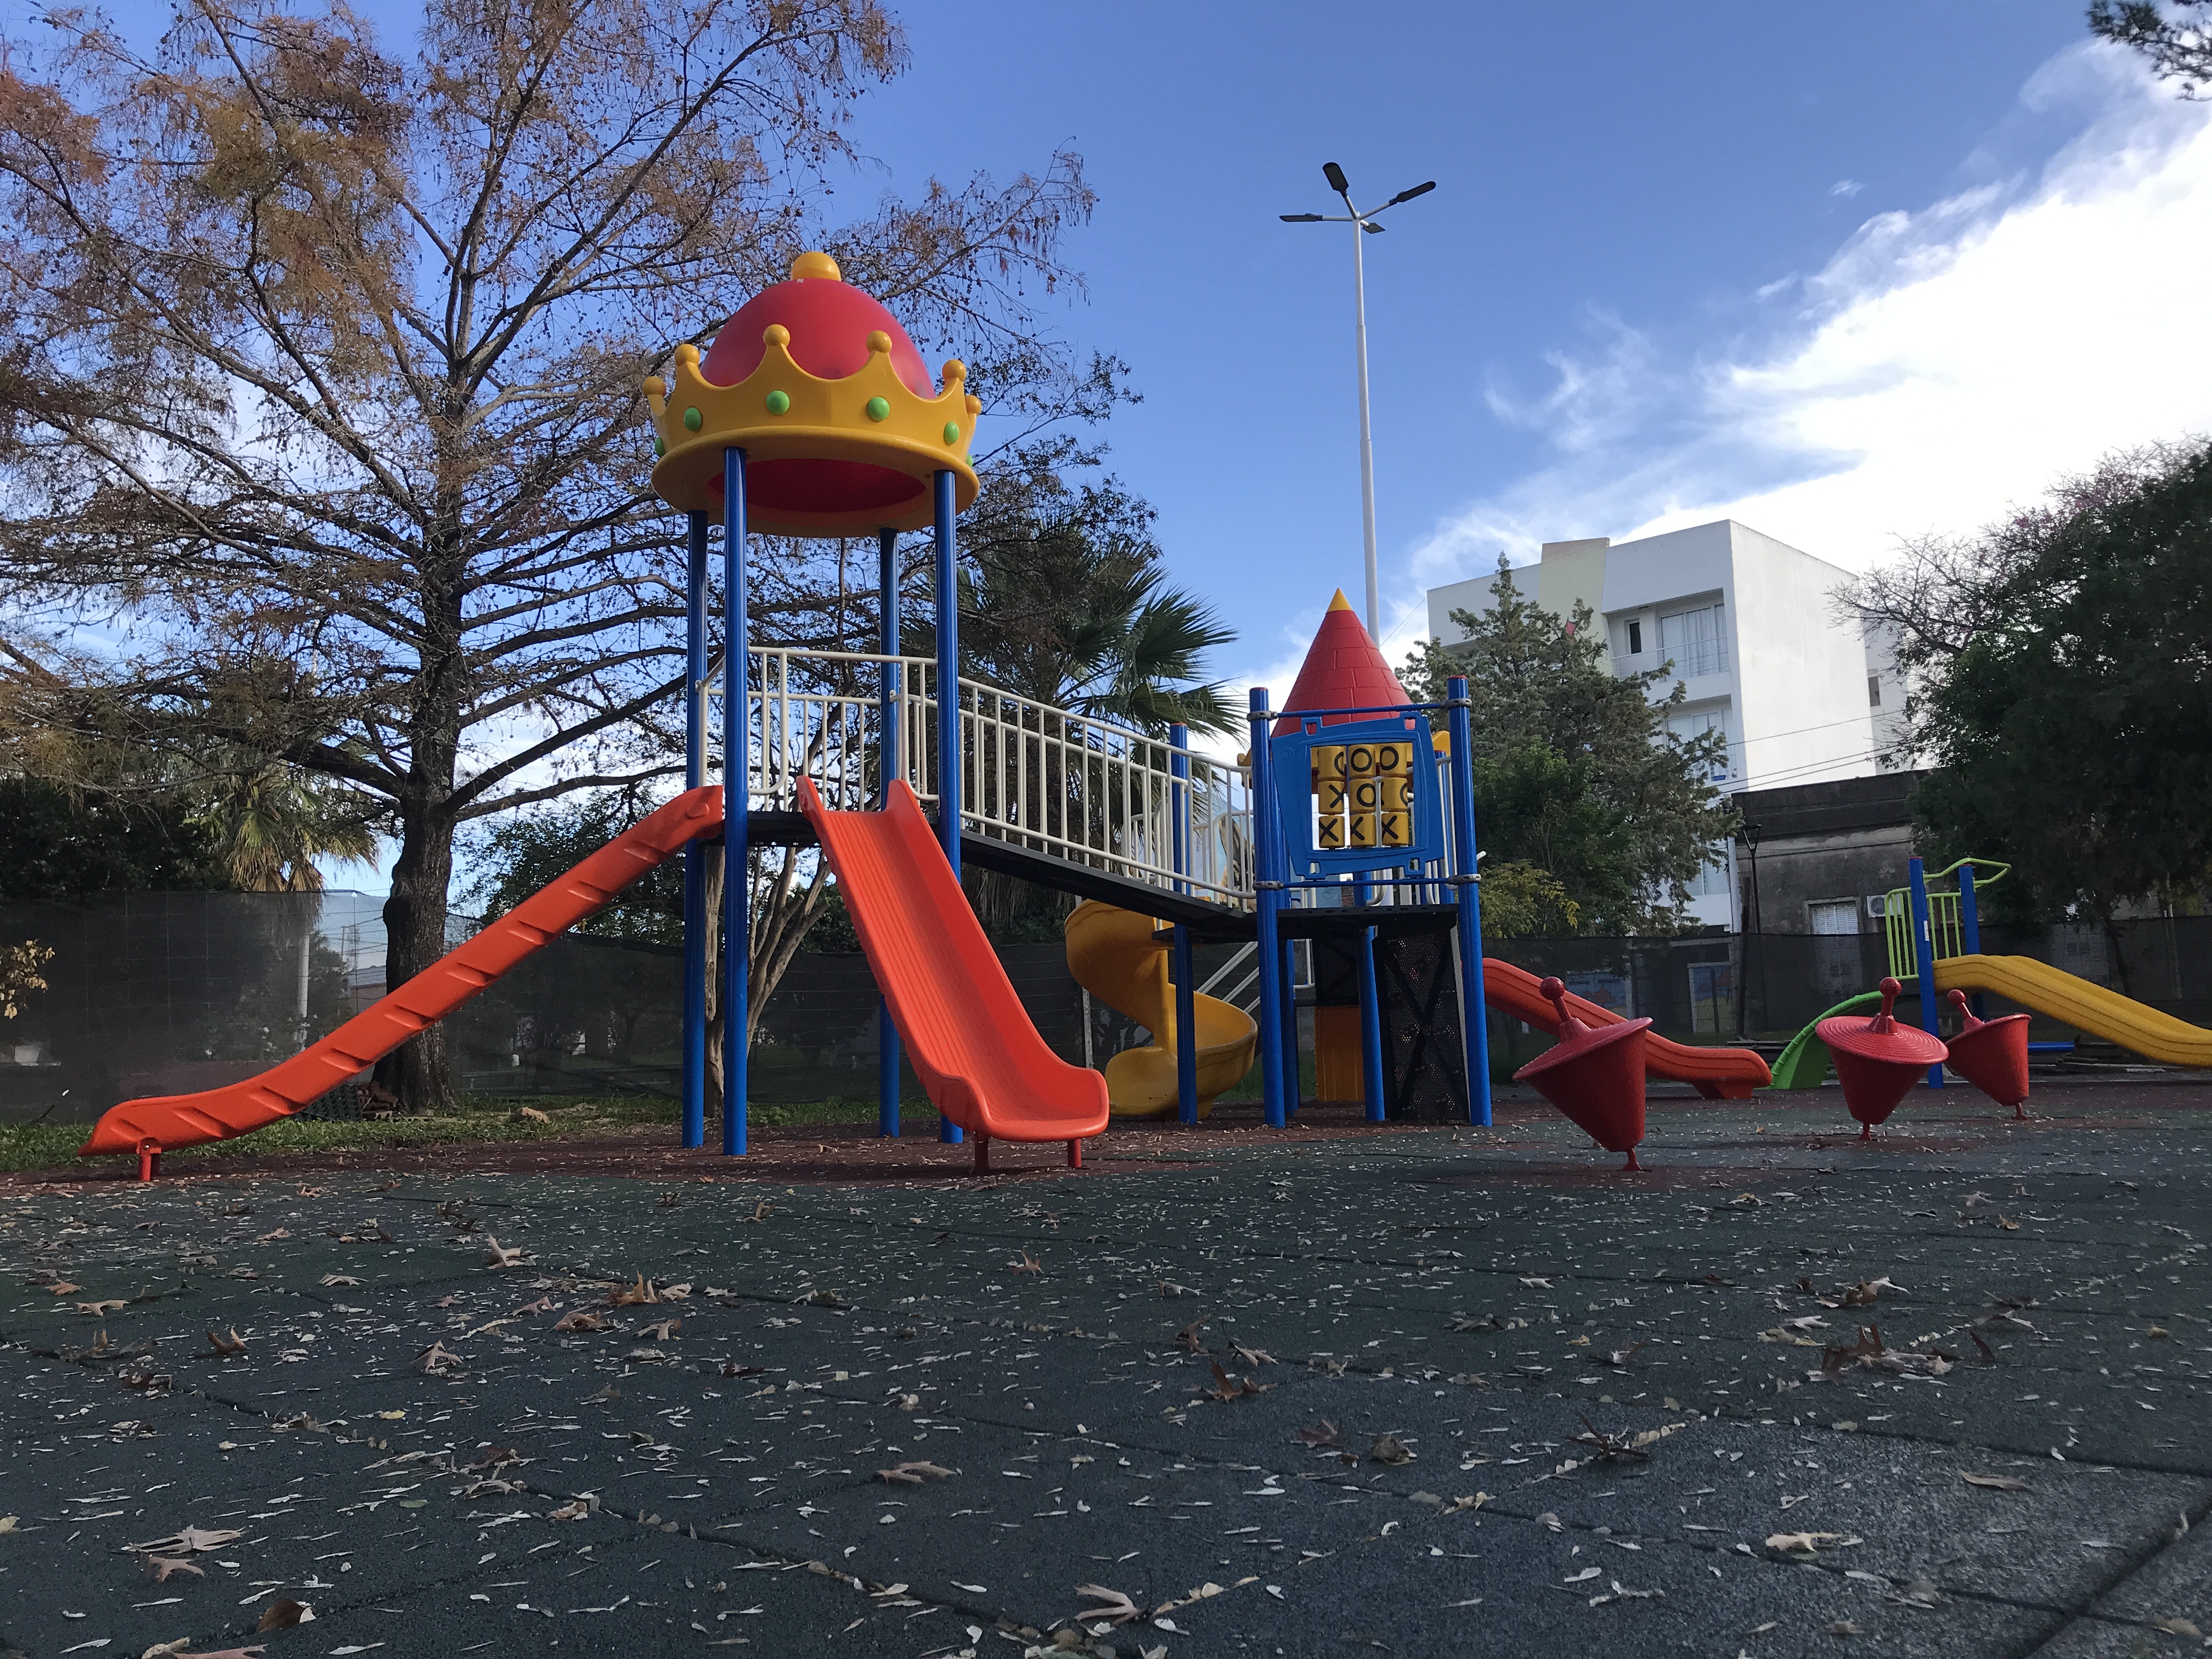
[419, 1071]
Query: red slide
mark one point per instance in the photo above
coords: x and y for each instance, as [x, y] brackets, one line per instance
[1718, 1073]
[169, 1122]
[968, 1038]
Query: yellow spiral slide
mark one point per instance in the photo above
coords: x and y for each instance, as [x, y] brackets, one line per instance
[2086, 1007]
[1113, 955]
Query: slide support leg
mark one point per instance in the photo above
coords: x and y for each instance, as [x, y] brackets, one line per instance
[1075, 1154]
[737, 780]
[888, 767]
[1474, 1011]
[1371, 1031]
[1186, 1031]
[1923, 951]
[982, 1152]
[1269, 895]
[696, 919]
[950, 794]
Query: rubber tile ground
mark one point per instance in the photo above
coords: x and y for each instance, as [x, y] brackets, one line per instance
[1436, 1392]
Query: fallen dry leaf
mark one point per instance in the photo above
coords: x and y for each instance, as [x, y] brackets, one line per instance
[1170, 1289]
[100, 1309]
[544, 1304]
[1809, 1543]
[1323, 1433]
[1487, 1322]
[575, 1511]
[629, 1296]
[161, 1566]
[1617, 1358]
[1388, 1449]
[662, 1330]
[529, 1115]
[283, 1613]
[234, 1344]
[1610, 1446]
[339, 1279]
[1871, 1353]
[2178, 1627]
[1244, 1356]
[1027, 1264]
[192, 1540]
[62, 1287]
[1993, 1482]
[1226, 1387]
[1115, 1609]
[1187, 1337]
[502, 1256]
[580, 1319]
[437, 1360]
[912, 1474]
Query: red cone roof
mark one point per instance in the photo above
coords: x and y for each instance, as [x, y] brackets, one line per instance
[1344, 668]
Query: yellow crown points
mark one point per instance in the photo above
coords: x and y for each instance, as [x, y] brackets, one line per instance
[821, 388]
[1339, 603]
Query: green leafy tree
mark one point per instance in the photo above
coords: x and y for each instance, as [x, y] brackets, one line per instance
[2062, 683]
[2175, 36]
[63, 846]
[270, 821]
[1576, 775]
[509, 859]
[324, 366]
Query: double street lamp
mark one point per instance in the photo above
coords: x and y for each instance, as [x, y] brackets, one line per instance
[1366, 225]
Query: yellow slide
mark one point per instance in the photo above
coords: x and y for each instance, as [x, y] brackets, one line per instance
[1113, 956]
[2086, 1007]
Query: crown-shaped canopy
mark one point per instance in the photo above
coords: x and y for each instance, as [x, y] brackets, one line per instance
[1344, 668]
[832, 406]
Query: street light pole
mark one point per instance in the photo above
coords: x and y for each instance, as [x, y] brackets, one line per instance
[1366, 435]
[1362, 224]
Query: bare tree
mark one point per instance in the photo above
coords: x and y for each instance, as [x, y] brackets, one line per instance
[322, 381]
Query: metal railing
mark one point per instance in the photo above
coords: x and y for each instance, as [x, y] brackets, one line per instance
[1051, 780]
[1946, 917]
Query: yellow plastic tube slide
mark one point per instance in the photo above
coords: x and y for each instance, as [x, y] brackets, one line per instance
[1113, 955]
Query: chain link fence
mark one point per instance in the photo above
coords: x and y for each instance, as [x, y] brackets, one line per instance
[168, 992]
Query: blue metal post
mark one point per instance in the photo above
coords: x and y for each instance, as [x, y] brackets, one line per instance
[1267, 896]
[1924, 957]
[1474, 1009]
[950, 794]
[737, 804]
[1970, 931]
[1371, 1015]
[887, 766]
[694, 855]
[1186, 988]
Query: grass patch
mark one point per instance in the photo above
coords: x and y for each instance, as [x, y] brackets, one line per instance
[480, 1120]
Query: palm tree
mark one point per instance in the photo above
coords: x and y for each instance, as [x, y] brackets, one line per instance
[271, 823]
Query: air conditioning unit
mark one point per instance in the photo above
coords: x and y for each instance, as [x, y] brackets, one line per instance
[1877, 905]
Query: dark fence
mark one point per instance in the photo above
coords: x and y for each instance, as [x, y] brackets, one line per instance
[166, 992]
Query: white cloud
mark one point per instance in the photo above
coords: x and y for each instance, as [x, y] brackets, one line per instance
[1845, 187]
[1946, 363]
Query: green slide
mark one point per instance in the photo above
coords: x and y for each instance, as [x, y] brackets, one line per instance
[1804, 1063]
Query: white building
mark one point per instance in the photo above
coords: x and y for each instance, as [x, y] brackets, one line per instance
[1756, 640]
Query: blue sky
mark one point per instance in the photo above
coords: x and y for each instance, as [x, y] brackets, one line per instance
[1660, 278]
[1847, 273]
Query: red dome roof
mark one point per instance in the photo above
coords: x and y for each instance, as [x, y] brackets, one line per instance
[830, 320]
[1343, 669]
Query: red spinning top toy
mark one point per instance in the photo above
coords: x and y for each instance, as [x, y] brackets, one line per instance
[1594, 1076]
[1876, 1060]
[1992, 1054]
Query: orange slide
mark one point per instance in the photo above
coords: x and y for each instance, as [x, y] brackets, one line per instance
[1718, 1073]
[968, 1038]
[168, 1121]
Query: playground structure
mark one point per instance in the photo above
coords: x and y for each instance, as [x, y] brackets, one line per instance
[1595, 1074]
[1877, 1060]
[1935, 941]
[1350, 824]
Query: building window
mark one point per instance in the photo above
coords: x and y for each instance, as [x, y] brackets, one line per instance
[1828, 916]
[1635, 639]
[1689, 727]
[1695, 641]
[1874, 691]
